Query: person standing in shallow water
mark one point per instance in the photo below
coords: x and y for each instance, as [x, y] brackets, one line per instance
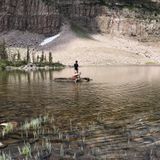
[76, 74]
[76, 66]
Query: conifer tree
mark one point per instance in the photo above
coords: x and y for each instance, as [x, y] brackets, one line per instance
[18, 56]
[42, 57]
[50, 58]
[28, 55]
[3, 51]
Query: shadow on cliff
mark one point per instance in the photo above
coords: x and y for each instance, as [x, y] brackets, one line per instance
[86, 14]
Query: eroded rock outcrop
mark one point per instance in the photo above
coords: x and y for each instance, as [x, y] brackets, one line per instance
[31, 15]
[139, 19]
[144, 25]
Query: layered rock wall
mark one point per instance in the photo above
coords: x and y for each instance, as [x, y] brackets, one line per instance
[140, 19]
[142, 24]
[31, 15]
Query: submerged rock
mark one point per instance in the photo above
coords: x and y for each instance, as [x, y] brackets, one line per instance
[12, 123]
[2, 146]
[30, 67]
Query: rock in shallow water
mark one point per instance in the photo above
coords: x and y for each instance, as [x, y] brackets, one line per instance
[2, 146]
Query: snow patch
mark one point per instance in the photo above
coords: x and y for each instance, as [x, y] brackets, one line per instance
[49, 39]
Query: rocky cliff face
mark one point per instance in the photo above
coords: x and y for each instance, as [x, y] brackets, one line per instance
[140, 19]
[134, 22]
[31, 15]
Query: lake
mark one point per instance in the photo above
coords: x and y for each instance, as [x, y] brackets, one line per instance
[124, 101]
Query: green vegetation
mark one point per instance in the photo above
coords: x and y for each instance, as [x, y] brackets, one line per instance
[150, 63]
[25, 150]
[5, 156]
[3, 51]
[3, 55]
[50, 58]
[4, 60]
[7, 129]
[40, 135]
[16, 61]
[28, 55]
[43, 138]
[54, 64]
[42, 57]
[5, 63]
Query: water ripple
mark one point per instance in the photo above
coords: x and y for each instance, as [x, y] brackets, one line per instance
[124, 105]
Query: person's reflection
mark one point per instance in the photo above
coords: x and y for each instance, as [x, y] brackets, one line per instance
[76, 89]
[29, 78]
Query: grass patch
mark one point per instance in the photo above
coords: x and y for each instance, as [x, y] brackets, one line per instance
[45, 137]
[5, 156]
[151, 63]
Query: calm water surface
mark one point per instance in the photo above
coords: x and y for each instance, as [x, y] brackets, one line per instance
[126, 99]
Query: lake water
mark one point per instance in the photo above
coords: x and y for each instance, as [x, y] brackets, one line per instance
[125, 99]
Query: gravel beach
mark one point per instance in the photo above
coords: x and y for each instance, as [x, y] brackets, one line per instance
[98, 49]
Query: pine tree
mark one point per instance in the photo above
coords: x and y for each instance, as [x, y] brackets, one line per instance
[37, 58]
[33, 58]
[3, 51]
[42, 57]
[45, 58]
[14, 57]
[28, 55]
[18, 56]
[50, 58]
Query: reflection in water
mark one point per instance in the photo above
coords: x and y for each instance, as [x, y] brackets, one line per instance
[126, 98]
[113, 89]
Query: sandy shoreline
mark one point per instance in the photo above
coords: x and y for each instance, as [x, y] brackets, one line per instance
[100, 50]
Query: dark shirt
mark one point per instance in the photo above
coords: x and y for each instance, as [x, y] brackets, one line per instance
[76, 66]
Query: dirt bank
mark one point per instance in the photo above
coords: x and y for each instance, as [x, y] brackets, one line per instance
[99, 49]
